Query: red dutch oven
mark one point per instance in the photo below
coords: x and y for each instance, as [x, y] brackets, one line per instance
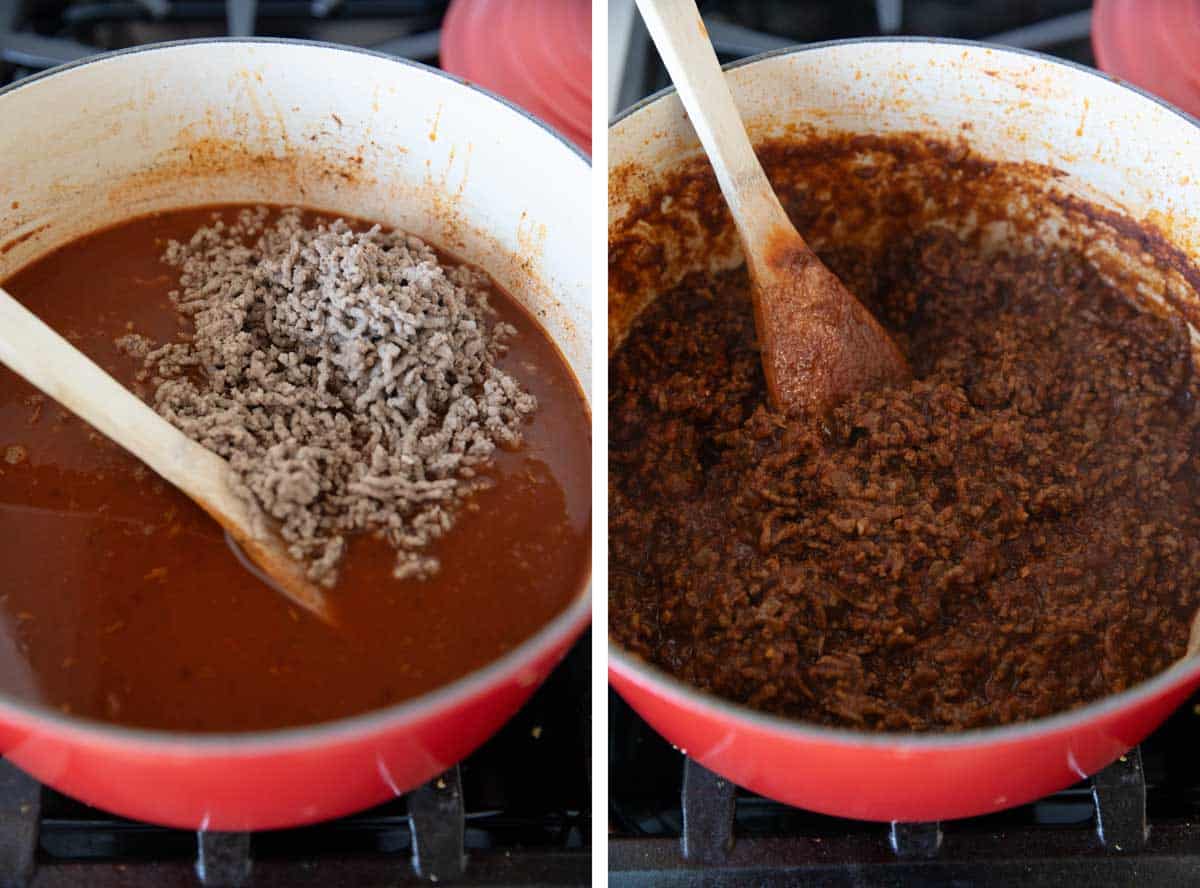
[334, 129]
[1128, 158]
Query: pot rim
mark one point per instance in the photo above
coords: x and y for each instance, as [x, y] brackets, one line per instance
[947, 41]
[572, 620]
[293, 41]
[638, 671]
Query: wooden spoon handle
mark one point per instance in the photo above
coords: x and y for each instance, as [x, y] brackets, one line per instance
[53, 365]
[682, 42]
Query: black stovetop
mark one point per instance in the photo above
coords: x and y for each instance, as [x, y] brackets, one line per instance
[518, 810]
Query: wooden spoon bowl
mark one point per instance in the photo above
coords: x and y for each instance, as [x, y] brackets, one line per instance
[819, 343]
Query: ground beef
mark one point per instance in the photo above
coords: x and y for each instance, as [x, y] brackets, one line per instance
[348, 376]
[1014, 533]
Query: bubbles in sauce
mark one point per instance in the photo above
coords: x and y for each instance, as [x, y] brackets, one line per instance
[120, 600]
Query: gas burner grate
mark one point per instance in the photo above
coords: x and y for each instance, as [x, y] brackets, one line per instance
[1136, 822]
[427, 836]
[38, 34]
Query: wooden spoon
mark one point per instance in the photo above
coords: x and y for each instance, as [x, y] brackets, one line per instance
[819, 344]
[49, 362]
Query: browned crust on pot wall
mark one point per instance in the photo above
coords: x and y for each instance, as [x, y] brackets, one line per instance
[865, 191]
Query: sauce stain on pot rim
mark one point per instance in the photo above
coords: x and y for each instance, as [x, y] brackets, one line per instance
[316, 44]
[258, 148]
[937, 41]
[1029, 82]
[193, 142]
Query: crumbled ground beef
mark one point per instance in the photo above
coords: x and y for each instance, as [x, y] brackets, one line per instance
[348, 377]
[1014, 533]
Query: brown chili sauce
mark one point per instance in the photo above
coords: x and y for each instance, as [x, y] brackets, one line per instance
[120, 599]
[1014, 533]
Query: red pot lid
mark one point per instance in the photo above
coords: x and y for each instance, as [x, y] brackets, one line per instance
[537, 53]
[1154, 44]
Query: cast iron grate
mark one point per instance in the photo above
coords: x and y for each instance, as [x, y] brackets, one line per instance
[672, 822]
[38, 34]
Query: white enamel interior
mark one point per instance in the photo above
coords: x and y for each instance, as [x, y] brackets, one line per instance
[1115, 147]
[329, 128]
